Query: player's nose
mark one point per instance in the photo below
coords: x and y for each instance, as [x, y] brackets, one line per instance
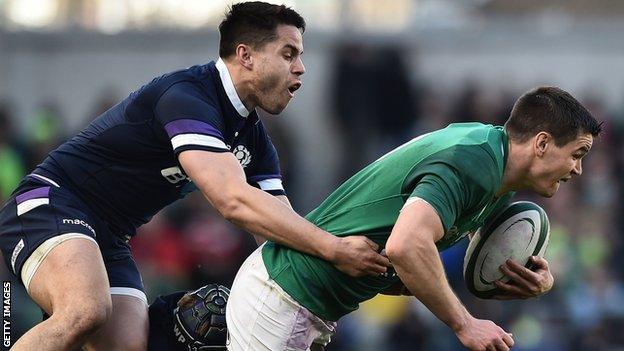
[299, 67]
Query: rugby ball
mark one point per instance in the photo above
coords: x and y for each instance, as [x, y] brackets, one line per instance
[517, 231]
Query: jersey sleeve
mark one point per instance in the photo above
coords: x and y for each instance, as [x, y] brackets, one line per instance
[456, 181]
[444, 191]
[191, 119]
[266, 174]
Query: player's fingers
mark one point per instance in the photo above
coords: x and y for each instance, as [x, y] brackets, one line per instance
[522, 270]
[499, 342]
[516, 277]
[381, 269]
[375, 266]
[539, 262]
[510, 287]
[375, 269]
[512, 274]
[515, 266]
[508, 339]
[512, 290]
[371, 243]
[501, 345]
[370, 272]
[381, 260]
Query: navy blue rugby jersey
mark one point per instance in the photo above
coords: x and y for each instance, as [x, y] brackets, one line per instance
[124, 164]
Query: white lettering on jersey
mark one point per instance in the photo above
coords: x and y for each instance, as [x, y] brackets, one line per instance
[173, 175]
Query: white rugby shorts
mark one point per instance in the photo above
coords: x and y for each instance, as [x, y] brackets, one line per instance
[262, 316]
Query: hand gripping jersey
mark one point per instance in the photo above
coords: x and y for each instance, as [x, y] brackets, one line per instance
[124, 164]
[457, 170]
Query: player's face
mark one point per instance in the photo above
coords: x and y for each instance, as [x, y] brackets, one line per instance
[559, 164]
[278, 70]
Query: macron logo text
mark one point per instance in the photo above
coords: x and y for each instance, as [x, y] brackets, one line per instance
[78, 222]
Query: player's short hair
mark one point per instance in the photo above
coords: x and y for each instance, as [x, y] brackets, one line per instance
[552, 110]
[254, 23]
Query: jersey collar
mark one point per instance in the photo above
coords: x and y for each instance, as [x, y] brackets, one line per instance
[228, 85]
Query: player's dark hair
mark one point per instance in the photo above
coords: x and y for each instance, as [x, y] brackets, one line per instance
[254, 23]
[552, 110]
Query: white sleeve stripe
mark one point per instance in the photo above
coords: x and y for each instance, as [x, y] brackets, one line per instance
[271, 184]
[411, 200]
[197, 139]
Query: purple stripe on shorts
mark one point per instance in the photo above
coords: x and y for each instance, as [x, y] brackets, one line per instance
[185, 126]
[33, 194]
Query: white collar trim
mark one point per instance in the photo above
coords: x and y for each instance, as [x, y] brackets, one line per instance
[228, 85]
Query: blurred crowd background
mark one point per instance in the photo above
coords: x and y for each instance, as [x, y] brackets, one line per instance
[379, 72]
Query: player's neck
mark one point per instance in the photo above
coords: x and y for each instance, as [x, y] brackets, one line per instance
[515, 175]
[243, 84]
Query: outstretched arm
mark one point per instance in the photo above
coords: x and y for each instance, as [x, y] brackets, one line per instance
[283, 198]
[411, 249]
[222, 181]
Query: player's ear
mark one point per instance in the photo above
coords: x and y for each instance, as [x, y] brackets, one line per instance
[243, 55]
[541, 142]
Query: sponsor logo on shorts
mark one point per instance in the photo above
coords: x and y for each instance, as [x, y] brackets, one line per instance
[16, 251]
[78, 222]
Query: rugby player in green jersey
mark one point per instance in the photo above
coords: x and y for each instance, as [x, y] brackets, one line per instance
[415, 201]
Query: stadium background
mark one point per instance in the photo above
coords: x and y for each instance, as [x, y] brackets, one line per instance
[379, 72]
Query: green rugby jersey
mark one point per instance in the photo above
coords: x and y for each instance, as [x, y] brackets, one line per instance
[457, 170]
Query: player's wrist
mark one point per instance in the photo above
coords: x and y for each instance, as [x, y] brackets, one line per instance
[460, 322]
[329, 247]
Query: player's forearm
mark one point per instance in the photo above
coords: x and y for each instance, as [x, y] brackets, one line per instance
[420, 268]
[222, 181]
[263, 214]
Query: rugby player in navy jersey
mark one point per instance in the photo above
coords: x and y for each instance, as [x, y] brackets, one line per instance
[64, 232]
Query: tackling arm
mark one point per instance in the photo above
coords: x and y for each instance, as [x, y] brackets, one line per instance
[261, 240]
[222, 181]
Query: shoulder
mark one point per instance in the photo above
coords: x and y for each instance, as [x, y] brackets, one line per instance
[472, 165]
[475, 146]
[195, 81]
[476, 163]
